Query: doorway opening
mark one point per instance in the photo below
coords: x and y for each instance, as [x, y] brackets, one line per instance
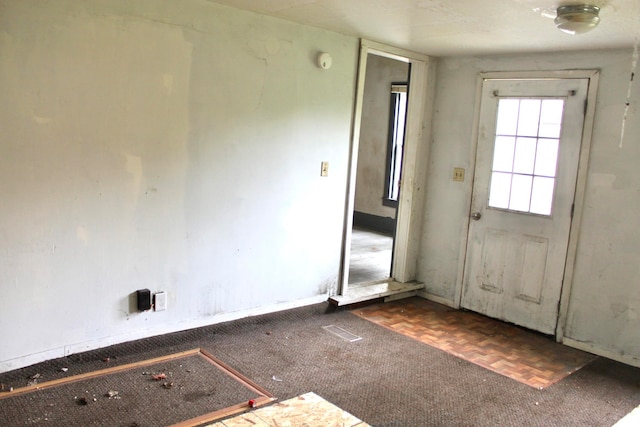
[378, 171]
[384, 153]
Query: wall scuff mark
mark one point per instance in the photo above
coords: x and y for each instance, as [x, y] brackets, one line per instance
[634, 63]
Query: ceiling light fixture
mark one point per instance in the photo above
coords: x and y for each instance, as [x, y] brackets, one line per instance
[577, 18]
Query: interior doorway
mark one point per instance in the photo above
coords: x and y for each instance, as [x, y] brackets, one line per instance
[407, 217]
[379, 169]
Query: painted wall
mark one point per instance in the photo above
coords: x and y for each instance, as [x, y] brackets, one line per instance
[374, 134]
[174, 146]
[604, 306]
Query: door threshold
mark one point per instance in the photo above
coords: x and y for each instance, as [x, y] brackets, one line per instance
[389, 289]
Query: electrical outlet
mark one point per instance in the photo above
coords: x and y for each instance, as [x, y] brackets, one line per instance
[160, 301]
[143, 297]
[458, 174]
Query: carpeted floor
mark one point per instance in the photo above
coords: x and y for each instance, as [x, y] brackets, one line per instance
[193, 385]
[384, 379]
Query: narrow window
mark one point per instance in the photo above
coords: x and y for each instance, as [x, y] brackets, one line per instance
[397, 116]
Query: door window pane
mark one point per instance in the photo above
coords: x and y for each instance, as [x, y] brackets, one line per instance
[507, 116]
[546, 157]
[529, 117]
[520, 193]
[525, 154]
[542, 195]
[500, 190]
[551, 118]
[503, 153]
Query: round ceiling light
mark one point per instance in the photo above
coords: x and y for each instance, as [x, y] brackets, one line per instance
[577, 18]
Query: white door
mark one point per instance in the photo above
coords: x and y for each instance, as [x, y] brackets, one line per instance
[529, 140]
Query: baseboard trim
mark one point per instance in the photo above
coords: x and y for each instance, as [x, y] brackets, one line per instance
[28, 360]
[579, 345]
[436, 298]
[591, 348]
[382, 224]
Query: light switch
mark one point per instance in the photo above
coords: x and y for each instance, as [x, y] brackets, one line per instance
[324, 169]
[458, 174]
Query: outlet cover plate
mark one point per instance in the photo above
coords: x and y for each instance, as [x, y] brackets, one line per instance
[160, 301]
[458, 174]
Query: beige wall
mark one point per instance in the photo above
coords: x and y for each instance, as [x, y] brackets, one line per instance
[604, 304]
[174, 146]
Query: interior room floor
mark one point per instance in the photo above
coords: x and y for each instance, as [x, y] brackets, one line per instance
[384, 379]
[517, 353]
[370, 256]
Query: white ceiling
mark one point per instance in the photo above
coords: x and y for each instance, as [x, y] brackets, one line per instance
[458, 27]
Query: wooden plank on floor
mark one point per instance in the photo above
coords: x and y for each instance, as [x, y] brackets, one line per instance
[259, 395]
[99, 373]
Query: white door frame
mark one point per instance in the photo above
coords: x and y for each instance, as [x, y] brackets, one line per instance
[581, 181]
[409, 213]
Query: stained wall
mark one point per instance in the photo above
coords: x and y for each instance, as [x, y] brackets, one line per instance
[174, 146]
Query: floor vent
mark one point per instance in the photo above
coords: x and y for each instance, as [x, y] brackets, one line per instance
[345, 335]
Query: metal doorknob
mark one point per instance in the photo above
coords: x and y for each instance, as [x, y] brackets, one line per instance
[476, 216]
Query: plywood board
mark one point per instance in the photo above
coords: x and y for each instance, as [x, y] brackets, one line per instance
[308, 410]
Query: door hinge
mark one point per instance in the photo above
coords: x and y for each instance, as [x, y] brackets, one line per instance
[586, 103]
[573, 207]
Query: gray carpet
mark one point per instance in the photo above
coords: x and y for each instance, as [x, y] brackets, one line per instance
[192, 385]
[385, 379]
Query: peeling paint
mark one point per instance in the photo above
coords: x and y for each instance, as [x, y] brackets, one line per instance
[328, 286]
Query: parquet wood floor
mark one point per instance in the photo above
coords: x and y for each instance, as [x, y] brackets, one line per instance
[520, 354]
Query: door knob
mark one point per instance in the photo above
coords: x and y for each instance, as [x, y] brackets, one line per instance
[476, 216]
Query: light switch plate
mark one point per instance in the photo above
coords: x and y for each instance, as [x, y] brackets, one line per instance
[324, 169]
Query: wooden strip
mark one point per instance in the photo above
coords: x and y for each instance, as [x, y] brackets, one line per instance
[94, 374]
[263, 397]
[238, 376]
[221, 413]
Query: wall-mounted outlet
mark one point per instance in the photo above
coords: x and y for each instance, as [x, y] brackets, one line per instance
[143, 299]
[160, 301]
[458, 174]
